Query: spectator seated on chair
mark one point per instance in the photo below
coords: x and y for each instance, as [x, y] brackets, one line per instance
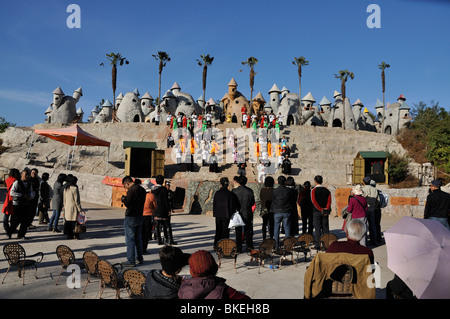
[355, 230]
[164, 283]
[204, 283]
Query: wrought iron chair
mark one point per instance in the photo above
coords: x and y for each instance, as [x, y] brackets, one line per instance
[134, 282]
[227, 248]
[287, 248]
[304, 243]
[325, 241]
[16, 256]
[110, 276]
[266, 251]
[90, 262]
[66, 257]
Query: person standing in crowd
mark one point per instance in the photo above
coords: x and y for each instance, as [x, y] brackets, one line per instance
[261, 172]
[171, 196]
[293, 214]
[170, 140]
[377, 214]
[306, 208]
[266, 195]
[192, 147]
[71, 207]
[134, 202]
[357, 206]
[7, 209]
[437, 206]
[35, 182]
[286, 167]
[246, 201]
[321, 199]
[162, 212]
[22, 193]
[57, 202]
[205, 284]
[157, 118]
[281, 208]
[168, 118]
[178, 153]
[149, 209]
[371, 195]
[44, 199]
[225, 204]
[213, 167]
[241, 168]
[164, 283]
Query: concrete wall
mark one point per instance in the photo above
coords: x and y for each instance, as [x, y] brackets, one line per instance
[402, 202]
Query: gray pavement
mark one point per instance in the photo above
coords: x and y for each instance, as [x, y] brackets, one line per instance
[191, 232]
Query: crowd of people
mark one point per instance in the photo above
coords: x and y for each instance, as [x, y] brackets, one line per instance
[149, 207]
[199, 143]
[29, 195]
[278, 209]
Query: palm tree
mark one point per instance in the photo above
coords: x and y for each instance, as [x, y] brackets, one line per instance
[382, 67]
[251, 62]
[301, 61]
[204, 61]
[343, 75]
[114, 59]
[163, 58]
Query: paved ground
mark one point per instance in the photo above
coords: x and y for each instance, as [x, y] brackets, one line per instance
[192, 232]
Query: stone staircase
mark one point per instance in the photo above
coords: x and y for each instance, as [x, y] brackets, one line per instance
[314, 151]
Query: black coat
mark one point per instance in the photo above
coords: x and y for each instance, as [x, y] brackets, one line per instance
[134, 201]
[158, 286]
[225, 203]
[437, 204]
[246, 200]
[162, 202]
[283, 199]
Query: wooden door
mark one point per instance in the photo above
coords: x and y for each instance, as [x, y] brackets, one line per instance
[128, 161]
[358, 170]
[158, 157]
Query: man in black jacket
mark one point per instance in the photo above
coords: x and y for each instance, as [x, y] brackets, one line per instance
[162, 212]
[283, 199]
[437, 206]
[134, 201]
[321, 199]
[225, 204]
[164, 283]
[246, 202]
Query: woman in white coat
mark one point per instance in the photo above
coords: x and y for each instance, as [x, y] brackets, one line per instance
[71, 207]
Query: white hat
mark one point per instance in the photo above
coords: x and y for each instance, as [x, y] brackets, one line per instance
[357, 190]
[147, 185]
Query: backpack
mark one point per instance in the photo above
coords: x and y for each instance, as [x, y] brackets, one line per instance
[383, 199]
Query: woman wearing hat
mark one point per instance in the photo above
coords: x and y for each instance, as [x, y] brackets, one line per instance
[204, 283]
[357, 206]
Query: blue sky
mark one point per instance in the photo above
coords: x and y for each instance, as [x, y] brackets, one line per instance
[39, 52]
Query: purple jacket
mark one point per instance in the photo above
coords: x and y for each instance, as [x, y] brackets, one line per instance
[202, 288]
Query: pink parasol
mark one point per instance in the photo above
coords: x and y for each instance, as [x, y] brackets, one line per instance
[418, 251]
